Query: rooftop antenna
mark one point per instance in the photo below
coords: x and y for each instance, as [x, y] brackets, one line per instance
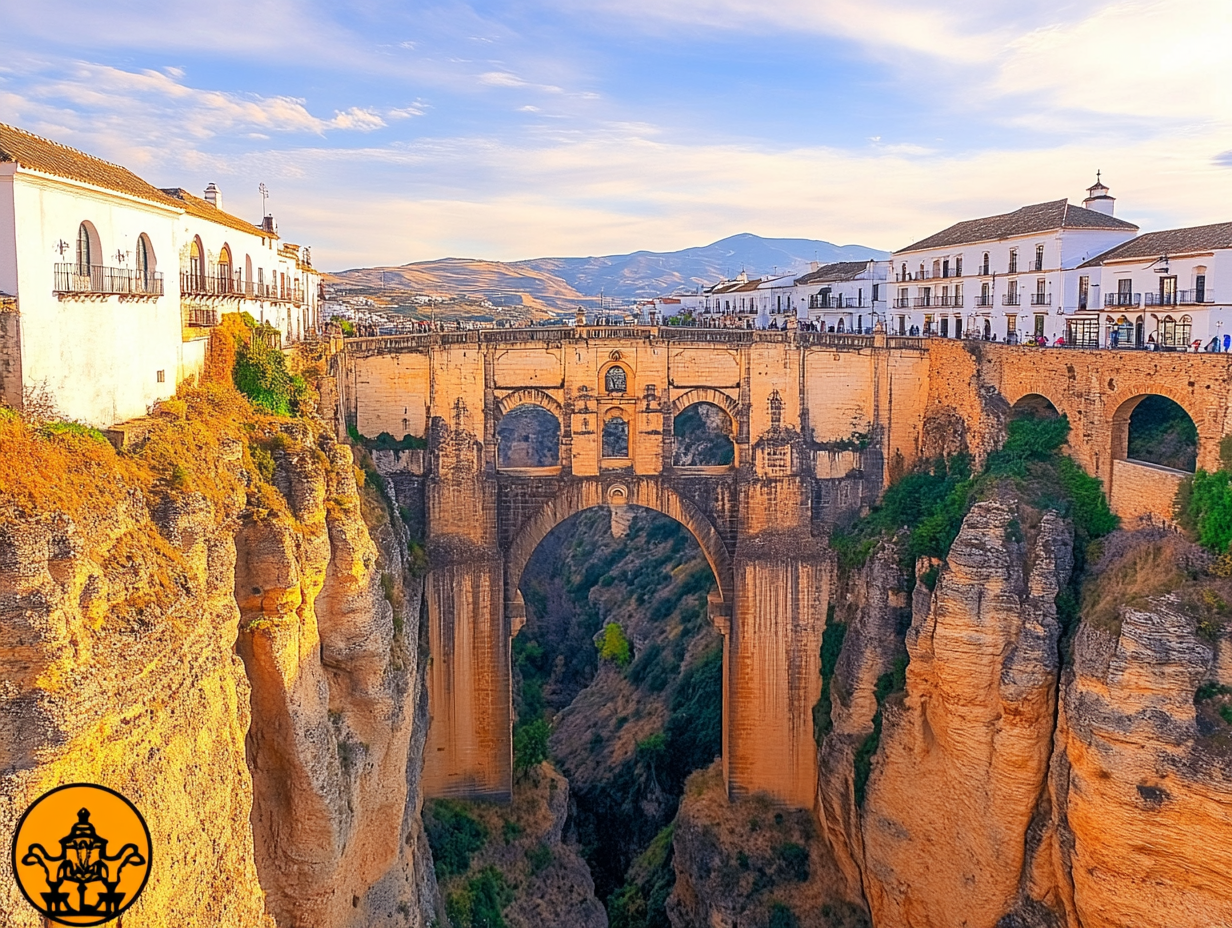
[264, 197]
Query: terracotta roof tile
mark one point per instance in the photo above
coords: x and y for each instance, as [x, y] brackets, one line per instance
[40, 154]
[1191, 240]
[839, 270]
[1041, 217]
[203, 209]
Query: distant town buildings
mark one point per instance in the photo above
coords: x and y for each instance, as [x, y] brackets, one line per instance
[111, 285]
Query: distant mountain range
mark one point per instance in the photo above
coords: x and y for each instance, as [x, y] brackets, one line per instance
[562, 282]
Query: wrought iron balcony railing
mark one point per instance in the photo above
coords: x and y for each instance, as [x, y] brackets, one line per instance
[95, 279]
[1122, 299]
[1041, 299]
[1011, 299]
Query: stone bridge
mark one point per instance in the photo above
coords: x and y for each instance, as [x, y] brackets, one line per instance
[819, 424]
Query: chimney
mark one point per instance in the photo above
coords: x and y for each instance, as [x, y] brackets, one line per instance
[1098, 199]
[814, 266]
[213, 195]
[269, 225]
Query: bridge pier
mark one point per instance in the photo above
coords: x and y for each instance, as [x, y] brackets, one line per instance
[772, 666]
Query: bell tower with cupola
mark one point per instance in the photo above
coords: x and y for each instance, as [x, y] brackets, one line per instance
[1098, 199]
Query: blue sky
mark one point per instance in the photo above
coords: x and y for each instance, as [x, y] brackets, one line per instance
[392, 132]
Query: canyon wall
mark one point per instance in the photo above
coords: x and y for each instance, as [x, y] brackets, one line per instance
[236, 648]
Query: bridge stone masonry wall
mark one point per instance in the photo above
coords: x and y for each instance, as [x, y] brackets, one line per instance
[820, 423]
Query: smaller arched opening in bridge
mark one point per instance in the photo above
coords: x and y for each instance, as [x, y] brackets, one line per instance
[1153, 429]
[615, 443]
[703, 436]
[528, 437]
[1034, 406]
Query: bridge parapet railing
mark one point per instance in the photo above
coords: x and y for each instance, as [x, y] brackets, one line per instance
[833, 340]
[699, 334]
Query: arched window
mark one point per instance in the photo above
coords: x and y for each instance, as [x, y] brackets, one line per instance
[145, 263]
[224, 269]
[248, 275]
[616, 380]
[196, 266]
[615, 437]
[984, 267]
[85, 256]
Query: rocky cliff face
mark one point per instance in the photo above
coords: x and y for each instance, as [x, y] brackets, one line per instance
[1032, 768]
[218, 626]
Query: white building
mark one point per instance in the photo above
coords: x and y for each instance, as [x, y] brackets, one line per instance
[1170, 290]
[846, 296]
[1012, 276]
[113, 285]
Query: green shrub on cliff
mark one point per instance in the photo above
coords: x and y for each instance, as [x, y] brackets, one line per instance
[530, 745]
[1207, 509]
[614, 645]
[261, 374]
[481, 902]
[454, 835]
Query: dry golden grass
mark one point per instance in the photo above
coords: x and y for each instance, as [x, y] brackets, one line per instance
[1147, 570]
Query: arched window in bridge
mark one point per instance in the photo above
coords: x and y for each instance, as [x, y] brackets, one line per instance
[615, 437]
[528, 436]
[616, 380]
[1160, 432]
[702, 435]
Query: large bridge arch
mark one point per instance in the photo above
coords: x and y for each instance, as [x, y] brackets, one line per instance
[707, 395]
[1121, 406]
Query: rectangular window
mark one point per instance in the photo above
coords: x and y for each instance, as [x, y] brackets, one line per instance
[160, 376]
[1167, 291]
[902, 325]
[958, 266]
[1082, 333]
[945, 268]
[860, 296]
[1011, 326]
[1039, 324]
[1200, 288]
[1039, 257]
[876, 292]
[945, 326]
[928, 323]
[1013, 261]
[1084, 291]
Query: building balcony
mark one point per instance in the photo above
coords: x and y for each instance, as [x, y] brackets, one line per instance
[955, 301]
[923, 302]
[1122, 299]
[200, 317]
[228, 285]
[985, 302]
[1177, 298]
[106, 281]
[1041, 299]
[1011, 299]
[902, 302]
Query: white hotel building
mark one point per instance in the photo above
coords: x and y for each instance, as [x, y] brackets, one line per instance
[1014, 276]
[109, 286]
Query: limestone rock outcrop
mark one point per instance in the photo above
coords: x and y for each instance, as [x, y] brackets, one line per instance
[241, 660]
[964, 754]
[1143, 794]
[117, 667]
